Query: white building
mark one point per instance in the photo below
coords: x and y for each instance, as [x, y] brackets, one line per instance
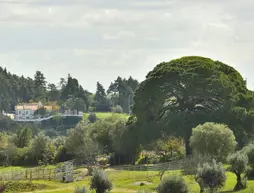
[27, 110]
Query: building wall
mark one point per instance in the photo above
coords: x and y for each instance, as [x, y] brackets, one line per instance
[24, 114]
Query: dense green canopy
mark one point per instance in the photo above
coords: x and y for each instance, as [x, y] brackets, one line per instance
[178, 95]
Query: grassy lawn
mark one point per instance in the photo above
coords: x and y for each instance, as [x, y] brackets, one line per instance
[124, 182]
[106, 115]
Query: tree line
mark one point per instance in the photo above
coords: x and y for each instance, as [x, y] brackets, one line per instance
[67, 93]
[174, 98]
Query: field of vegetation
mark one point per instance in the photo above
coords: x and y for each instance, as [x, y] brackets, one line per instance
[129, 182]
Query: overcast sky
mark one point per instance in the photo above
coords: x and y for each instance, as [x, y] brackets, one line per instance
[98, 40]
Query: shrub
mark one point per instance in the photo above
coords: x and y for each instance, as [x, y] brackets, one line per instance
[103, 161]
[211, 176]
[80, 190]
[239, 165]
[249, 151]
[22, 186]
[173, 184]
[100, 182]
[2, 187]
[191, 163]
[212, 139]
[117, 109]
[92, 117]
[144, 191]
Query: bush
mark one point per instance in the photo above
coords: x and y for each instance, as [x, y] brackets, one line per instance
[249, 151]
[103, 161]
[2, 187]
[117, 109]
[191, 163]
[23, 187]
[80, 190]
[144, 191]
[212, 139]
[100, 182]
[211, 177]
[239, 165]
[92, 117]
[173, 184]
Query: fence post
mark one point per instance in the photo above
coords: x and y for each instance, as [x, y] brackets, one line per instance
[31, 176]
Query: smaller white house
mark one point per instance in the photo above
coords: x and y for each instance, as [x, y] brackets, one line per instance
[26, 110]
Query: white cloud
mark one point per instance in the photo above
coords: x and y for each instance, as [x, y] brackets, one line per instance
[101, 39]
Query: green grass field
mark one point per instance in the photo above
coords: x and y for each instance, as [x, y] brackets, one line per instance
[127, 182]
[106, 115]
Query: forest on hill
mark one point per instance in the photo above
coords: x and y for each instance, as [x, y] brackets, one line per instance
[68, 92]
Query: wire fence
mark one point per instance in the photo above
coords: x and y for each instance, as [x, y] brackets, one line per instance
[29, 174]
[174, 165]
[144, 172]
[140, 172]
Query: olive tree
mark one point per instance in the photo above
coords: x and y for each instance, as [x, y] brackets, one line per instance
[173, 184]
[249, 151]
[215, 140]
[100, 182]
[239, 165]
[211, 176]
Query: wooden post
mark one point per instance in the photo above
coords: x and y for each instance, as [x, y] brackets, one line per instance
[26, 174]
[31, 176]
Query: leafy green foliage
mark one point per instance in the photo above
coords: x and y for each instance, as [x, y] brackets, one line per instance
[178, 95]
[72, 90]
[80, 146]
[40, 85]
[2, 187]
[173, 184]
[101, 102]
[249, 151]
[77, 104]
[100, 182]
[192, 163]
[81, 190]
[117, 109]
[215, 140]
[239, 165]
[23, 187]
[107, 132]
[41, 111]
[169, 148]
[42, 149]
[122, 92]
[14, 89]
[23, 138]
[92, 117]
[211, 176]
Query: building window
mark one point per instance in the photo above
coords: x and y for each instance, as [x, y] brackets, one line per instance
[26, 112]
[19, 112]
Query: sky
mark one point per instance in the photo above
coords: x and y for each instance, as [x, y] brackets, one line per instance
[98, 40]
